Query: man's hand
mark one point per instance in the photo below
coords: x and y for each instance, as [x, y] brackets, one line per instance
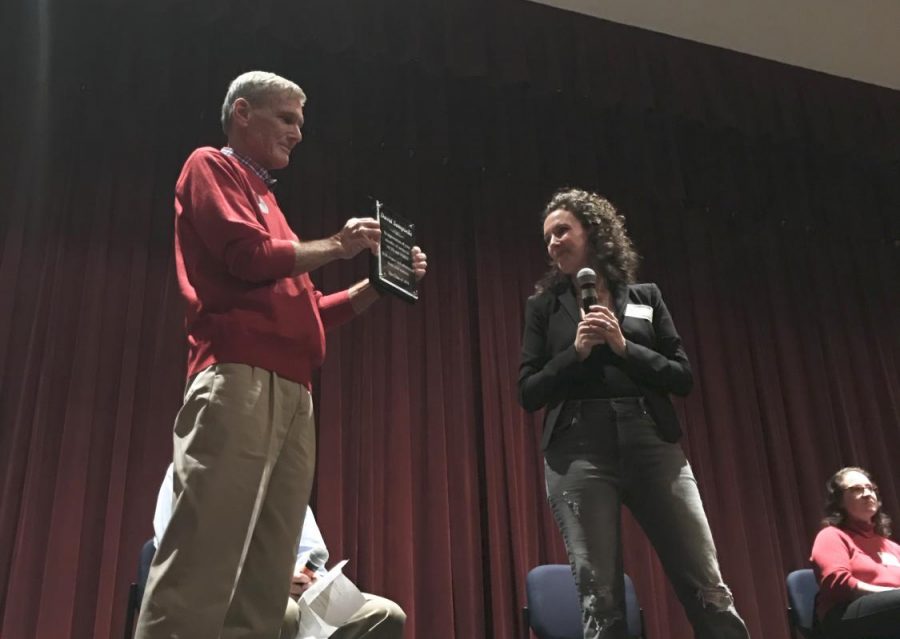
[359, 233]
[363, 294]
[419, 263]
[300, 583]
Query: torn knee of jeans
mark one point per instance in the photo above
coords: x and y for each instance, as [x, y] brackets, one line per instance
[572, 503]
[716, 597]
[600, 607]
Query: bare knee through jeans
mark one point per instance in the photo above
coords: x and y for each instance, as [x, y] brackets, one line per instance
[608, 452]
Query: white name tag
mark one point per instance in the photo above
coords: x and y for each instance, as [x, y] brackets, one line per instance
[641, 311]
[887, 559]
[262, 205]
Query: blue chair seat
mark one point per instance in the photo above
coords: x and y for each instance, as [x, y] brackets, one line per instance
[554, 610]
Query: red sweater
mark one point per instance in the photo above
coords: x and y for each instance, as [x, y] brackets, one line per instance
[842, 557]
[234, 257]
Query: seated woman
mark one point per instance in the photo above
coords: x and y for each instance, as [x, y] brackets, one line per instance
[856, 564]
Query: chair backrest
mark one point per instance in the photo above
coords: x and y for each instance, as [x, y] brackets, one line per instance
[554, 610]
[633, 618]
[147, 552]
[802, 589]
[136, 591]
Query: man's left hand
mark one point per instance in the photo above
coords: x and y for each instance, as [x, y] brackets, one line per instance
[419, 263]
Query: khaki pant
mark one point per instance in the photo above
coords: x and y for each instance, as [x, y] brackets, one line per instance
[244, 459]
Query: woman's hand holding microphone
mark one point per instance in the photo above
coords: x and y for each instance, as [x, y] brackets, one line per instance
[598, 326]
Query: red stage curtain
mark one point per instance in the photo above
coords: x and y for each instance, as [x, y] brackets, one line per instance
[764, 199]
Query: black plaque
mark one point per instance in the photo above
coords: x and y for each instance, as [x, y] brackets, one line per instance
[391, 271]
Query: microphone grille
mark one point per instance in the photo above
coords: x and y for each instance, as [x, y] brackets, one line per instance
[317, 558]
[586, 277]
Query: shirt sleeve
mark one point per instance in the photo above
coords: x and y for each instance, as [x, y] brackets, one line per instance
[831, 559]
[163, 506]
[335, 309]
[211, 197]
[310, 539]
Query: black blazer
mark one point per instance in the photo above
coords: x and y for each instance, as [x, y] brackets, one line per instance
[654, 359]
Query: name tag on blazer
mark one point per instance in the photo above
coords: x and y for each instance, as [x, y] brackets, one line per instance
[641, 311]
[887, 559]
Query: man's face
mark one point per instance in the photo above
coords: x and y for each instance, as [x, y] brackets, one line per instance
[270, 129]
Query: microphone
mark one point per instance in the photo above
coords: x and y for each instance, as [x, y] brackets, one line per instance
[587, 284]
[316, 561]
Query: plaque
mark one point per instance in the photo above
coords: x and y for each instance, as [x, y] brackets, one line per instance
[391, 271]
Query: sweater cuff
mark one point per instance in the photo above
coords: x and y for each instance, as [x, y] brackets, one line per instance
[336, 309]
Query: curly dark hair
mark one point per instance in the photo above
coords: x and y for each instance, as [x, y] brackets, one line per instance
[835, 515]
[612, 253]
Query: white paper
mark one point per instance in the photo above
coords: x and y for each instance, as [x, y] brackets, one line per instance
[328, 604]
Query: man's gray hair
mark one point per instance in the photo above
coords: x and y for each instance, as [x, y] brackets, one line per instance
[256, 87]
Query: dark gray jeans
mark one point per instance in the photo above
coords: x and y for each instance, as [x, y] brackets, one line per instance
[608, 452]
[873, 616]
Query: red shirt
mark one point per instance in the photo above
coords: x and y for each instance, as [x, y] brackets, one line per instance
[842, 557]
[234, 256]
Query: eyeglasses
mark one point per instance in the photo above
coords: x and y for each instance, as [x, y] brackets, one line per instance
[861, 489]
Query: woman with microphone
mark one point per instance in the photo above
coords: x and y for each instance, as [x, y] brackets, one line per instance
[601, 355]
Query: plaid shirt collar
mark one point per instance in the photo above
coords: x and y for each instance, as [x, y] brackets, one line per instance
[251, 164]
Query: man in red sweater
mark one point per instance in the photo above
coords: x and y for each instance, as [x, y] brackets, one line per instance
[244, 440]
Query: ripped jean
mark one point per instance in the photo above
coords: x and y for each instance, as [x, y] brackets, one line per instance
[605, 453]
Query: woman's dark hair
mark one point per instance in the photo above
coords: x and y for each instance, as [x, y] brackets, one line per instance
[611, 251]
[835, 515]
